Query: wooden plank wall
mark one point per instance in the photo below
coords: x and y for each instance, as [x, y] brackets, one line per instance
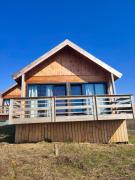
[67, 66]
[88, 131]
[14, 92]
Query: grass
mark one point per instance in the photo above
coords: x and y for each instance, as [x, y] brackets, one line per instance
[131, 136]
[37, 161]
[75, 161]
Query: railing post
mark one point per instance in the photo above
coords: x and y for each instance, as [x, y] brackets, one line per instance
[4, 109]
[11, 111]
[53, 110]
[95, 108]
[113, 84]
[132, 104]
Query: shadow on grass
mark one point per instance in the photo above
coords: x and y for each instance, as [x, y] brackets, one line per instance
[131, 136]
[7, 134]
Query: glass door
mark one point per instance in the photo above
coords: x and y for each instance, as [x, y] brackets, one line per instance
[76, 90]
[101, 89]
[60, 90]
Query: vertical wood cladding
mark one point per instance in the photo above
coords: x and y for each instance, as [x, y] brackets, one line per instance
[88, 131]
[67, 66]
[12, 93]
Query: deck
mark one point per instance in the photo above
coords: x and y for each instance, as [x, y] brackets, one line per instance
[69, 109]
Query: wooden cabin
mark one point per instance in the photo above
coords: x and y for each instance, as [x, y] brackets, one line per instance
[67, 95]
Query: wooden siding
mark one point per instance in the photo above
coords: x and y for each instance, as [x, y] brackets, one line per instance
[64, 78]
[67, 66]
[61, 46]
[12, 93]
[92, 132]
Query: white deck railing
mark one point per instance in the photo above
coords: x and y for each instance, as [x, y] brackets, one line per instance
[4, 110]
[114, 107]
[70, 108]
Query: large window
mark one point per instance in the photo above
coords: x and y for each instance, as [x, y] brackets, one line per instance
[75, 89]
[40, 90]
[88, 89]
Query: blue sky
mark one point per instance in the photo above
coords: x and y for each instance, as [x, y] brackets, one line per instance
[105, 28]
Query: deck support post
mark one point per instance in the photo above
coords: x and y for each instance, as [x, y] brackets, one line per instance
[1, 101]
[23, 94]
[132, 104]
[95, 108]
[23, 86]
[113, 84]
[11, 111]
[53, 113]
[68, 87]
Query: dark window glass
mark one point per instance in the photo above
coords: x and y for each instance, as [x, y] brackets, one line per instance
[76, 90]
[100, 89]
[41, 90]
[59, 90]
[6, 102]
[89, 89]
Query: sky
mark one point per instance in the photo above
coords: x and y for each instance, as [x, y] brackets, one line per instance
[105, 28]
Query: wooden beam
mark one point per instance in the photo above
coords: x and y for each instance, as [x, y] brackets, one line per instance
[68, 89]
[11, 112]
[110, 88]
[23, 86]
[113, 84]
[1, 101]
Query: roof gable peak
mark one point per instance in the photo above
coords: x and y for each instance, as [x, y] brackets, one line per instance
[60, 46]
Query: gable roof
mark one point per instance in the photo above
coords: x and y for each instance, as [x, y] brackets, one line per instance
[58, 48]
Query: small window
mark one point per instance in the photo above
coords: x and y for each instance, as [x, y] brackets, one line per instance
[6, 102]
